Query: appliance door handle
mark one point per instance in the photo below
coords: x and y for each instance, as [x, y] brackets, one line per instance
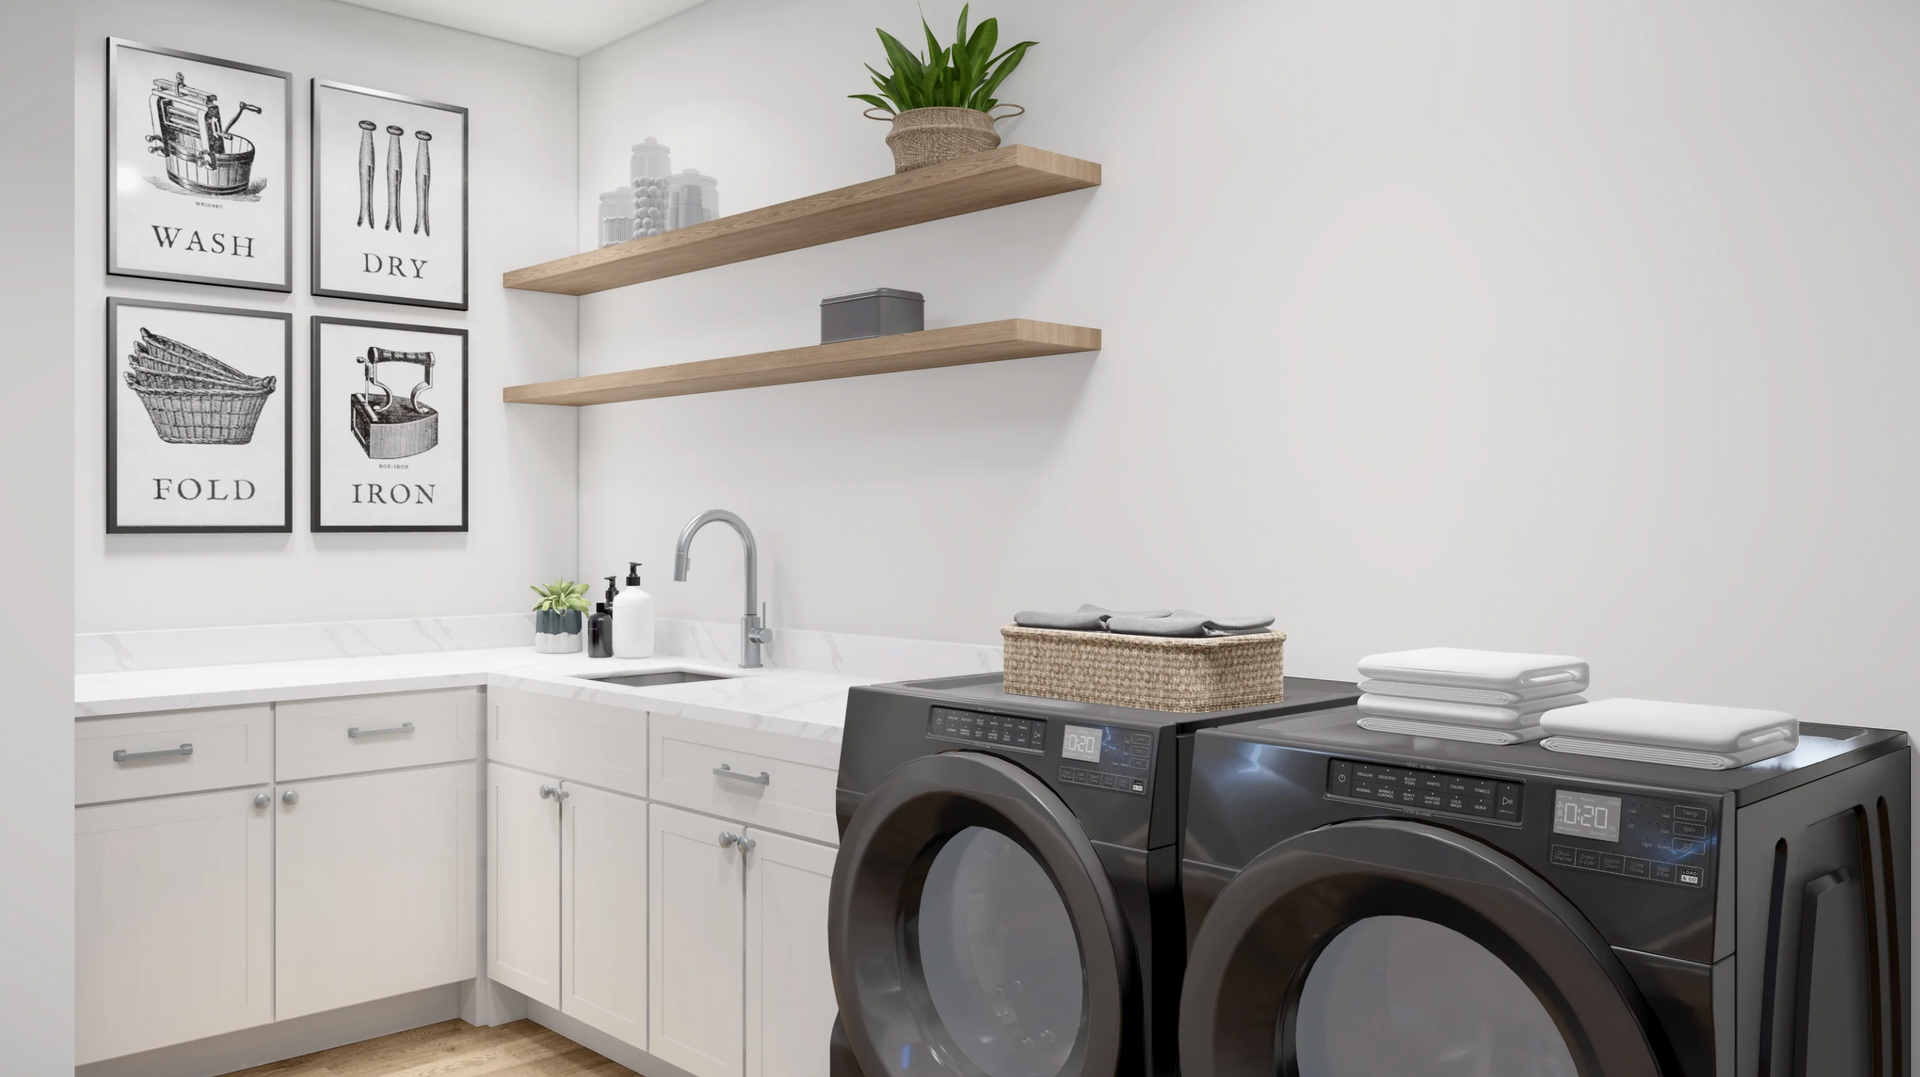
[726, 770]
[121, 755]
[354, 732]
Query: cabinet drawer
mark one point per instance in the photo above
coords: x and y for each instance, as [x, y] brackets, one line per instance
[761, 779]
[586, 742]
[150, 755]
[319, 737]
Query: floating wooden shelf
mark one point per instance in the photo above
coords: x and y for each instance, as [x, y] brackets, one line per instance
[996, 178]
[987, 342]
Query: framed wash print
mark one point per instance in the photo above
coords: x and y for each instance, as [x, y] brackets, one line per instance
[197, 156]
[389, 197]
[199, 418]
[389, 427]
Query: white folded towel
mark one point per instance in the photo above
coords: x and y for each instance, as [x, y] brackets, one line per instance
[1476, 734]
[1492, 697]
[1675, 734]
[1475, 714]
[1456, 667]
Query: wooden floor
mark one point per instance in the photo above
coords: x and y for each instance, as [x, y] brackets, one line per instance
[452, 1049]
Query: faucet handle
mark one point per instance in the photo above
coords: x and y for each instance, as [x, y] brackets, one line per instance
[761, 633]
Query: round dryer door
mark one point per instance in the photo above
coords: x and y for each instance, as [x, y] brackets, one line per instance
[973, 931]
[1384, 946]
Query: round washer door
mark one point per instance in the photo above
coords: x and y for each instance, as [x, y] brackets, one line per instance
[973, 931]
[1387, 946]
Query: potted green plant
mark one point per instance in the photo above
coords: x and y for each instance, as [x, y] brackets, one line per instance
[941, 102]
[556, 618]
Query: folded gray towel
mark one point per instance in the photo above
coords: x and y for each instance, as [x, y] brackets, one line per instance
[1088, 618]
[1170, 623]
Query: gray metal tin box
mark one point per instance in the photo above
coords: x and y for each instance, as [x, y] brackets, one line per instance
[877, 313]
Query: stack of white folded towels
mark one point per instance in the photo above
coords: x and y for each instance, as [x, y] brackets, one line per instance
[1676, 734]
[1489, 697]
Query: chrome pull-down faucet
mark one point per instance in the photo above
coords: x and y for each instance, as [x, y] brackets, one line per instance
[753, 626]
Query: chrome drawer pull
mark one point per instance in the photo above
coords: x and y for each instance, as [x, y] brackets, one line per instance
[726, 771]
[354, 732]
[121, 755]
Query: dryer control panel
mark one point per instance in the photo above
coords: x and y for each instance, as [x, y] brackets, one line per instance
[1639, 837]
[1432, 791]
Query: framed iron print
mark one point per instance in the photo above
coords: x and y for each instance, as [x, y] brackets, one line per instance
[198, 152]
[389, 426]
[389, 197]
[199, 418]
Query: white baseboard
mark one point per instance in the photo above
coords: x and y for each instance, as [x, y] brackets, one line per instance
[287, 1039]
[595, 1040]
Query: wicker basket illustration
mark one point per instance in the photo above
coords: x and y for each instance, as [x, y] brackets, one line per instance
[193, 398]
[203, 154]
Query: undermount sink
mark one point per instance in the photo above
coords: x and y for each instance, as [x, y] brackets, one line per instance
[659, 677]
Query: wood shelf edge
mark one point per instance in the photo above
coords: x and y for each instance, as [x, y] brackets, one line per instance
[1004, 176]
[984, 342]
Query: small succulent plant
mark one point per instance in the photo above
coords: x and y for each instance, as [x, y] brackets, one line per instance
[561, 596]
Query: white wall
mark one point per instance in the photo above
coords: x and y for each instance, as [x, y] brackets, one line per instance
[36, 541]
[1499, 324]
[522, 125]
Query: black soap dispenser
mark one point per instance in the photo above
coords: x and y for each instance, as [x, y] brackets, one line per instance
[600, 625]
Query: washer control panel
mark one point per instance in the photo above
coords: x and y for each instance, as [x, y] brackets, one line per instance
[1639, 837]
[1435, 791]
[1095, 756]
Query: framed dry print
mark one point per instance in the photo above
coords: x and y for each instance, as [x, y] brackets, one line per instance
[389, 197]
[197, 156]
[199, 418]
[389, 427]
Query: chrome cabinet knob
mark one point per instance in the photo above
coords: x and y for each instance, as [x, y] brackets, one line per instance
[728, 838]
[560, 793]
[547, 792]
[746, 844]
[261, 800]
[290, 797]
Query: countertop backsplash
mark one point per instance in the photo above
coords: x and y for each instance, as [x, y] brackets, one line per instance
[881, 657]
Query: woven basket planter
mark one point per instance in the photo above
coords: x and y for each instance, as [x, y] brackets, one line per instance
[928, 136]
[1188, 676]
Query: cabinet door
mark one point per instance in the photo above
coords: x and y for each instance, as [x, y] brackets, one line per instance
[523, 883]
[790, 1004]
[173, 921]
[696, 956]
[375, 886]
[603, 911]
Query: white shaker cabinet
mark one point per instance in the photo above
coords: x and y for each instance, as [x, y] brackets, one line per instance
[790, 1003]
[173, 920]
[603, 911]
[696, 915]
[523, 882]
[375, 886]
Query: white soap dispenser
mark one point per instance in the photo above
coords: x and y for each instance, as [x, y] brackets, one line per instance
[633, 618]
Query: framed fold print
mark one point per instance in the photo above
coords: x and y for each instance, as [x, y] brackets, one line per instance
[199, 418]
[389, 426]
[198, 151]
[389, 197]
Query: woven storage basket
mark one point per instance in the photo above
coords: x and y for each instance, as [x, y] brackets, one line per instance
[927, 136]
[1188, 676]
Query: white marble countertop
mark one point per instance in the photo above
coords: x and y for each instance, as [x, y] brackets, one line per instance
[797, 702]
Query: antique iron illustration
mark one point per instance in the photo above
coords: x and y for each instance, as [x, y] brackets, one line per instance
[387, 427]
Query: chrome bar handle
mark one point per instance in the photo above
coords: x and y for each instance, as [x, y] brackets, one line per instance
[121, 755]
[726, 770]
[354, 732]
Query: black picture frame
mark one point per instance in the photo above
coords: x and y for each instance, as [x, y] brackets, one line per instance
[317, 425]
[321, 276]
[114, 527]
[123, 267]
